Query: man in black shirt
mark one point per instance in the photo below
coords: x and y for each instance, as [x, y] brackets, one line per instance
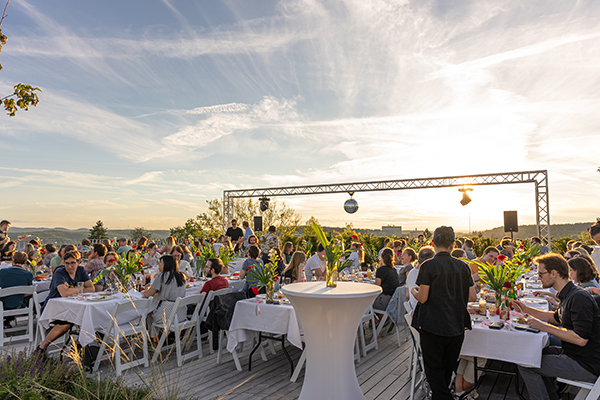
[579, 315]
[444, 286]
[4, 226]
[235, 234]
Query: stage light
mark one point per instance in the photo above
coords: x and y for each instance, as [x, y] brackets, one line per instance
[351, 205]
[465, 199]
[264, 203]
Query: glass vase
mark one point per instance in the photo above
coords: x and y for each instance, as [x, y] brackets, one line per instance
[331, 275]
[270, 292]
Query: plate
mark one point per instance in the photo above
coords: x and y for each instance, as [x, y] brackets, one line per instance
[100, 298]
[478, 318]
[261, 296]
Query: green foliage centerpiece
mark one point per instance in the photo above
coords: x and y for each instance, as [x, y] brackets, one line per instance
[333, 252]
[124, 270]
[266, 276]
[207, 251]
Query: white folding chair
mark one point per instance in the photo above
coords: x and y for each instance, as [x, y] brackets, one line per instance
[40, 333]
[174, 325]
[137, 311]
[416, 358]
[236, 286]
[368, 317]
[204, 314]
[19, 312]
[399, 296]
[587, 391]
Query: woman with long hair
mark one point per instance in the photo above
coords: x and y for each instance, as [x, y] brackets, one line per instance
[295, 267]
[141, 243]
[170, 242]
[108, 245]
[386, 277]
[583, 272]
[169, 284]
[7, 251]
[288, 249]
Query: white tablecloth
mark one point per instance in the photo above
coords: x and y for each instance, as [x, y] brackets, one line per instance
[89, 315]
[277, 319]
[523, 348]
[236, 265]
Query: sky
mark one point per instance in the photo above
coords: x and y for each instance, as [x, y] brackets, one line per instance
[149, 108]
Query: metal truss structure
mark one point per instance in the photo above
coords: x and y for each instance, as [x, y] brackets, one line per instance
[538, 178]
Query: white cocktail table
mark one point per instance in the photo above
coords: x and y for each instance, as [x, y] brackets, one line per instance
[330, 318]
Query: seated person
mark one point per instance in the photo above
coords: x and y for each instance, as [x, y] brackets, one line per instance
[386, 277]
[96, 260]
[252, 261]
[50, 254]
[169, 284]
[15, 275]
[184, 267]
[408, 257]
[7, 251]
[64, 284]
[316, 265]
[293, 271]
[212, 270]
[490, 256]
[579, 315]
[59, 261]
[151, 257]
[583, 272]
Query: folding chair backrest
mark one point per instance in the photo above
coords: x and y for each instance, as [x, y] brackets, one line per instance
[39, 299]
[183, 302]
[408, 307]
[236, 286]
[415, 333]
[140, 305]
[223, 291]
[28, 290]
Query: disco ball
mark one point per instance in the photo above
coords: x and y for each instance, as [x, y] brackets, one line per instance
[351, 206]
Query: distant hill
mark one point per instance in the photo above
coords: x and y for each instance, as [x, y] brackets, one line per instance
[525, 231]
[68, 236]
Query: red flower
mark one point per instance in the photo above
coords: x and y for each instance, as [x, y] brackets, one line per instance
[43, 251]
[275, 278]
[507, 285]
[191, 279]
[521, 247]
[250, 267]
[501, 258]
[110, 260]
[354, 237]
[135, 247]
[529, 260]
[362, 245]
[198, 254]
[255, 290]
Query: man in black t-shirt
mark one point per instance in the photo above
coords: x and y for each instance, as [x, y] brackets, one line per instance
[4, 226]
[444, 286]
[579, 315]
[235, 234]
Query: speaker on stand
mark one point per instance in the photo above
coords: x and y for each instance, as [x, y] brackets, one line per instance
[258, 223]
[510, 222]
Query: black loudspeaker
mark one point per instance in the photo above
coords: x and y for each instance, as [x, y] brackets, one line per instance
[510, 221]
[258, 223]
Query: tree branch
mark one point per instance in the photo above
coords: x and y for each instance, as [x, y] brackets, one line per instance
[4, 13]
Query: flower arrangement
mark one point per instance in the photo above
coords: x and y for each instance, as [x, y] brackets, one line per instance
[124, 269]
[266, 276]
[207, 251]
[333, 252]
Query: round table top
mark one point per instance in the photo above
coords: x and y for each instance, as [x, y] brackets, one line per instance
[320, 290]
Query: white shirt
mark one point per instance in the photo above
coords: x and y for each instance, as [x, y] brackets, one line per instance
[596, 256]
[312, 264]
[411, 281]
[355, 260]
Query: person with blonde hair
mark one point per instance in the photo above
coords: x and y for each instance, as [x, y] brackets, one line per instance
[295, 267]
[170, 243]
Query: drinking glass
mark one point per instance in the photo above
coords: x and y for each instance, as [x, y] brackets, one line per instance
[80, 288]
[287, 281]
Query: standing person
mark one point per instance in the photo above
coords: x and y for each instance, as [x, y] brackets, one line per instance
[269, 241]
[444, 287]
[4, 227]
[235, 234]
[247, 231]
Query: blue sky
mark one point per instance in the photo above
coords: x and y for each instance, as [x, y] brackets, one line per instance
[149, 108]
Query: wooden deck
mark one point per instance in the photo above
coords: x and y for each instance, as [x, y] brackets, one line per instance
[382, 374]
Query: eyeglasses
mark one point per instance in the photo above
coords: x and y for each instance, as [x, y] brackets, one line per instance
[71, 263]
[540, 273]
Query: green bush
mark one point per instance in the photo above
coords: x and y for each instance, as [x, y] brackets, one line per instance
[29, 376]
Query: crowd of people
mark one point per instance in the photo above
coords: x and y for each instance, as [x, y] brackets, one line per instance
[439, 277]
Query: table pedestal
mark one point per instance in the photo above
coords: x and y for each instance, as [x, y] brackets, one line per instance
[330, 319]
